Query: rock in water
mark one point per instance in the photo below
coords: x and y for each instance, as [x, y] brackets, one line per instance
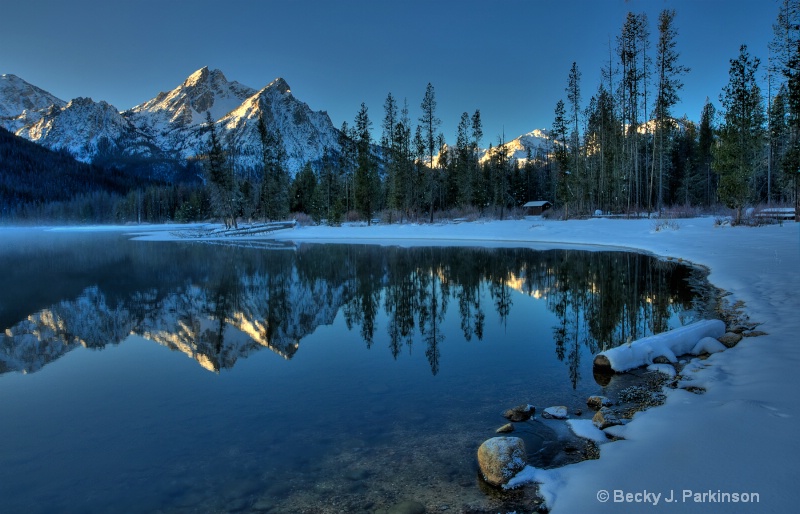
[558, 412]
[520, 413]
[500, 458]
[508, 427]
[597, 402]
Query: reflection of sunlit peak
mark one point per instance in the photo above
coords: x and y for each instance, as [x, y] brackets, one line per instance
[515, 283]
[537, 294]
[207, 363]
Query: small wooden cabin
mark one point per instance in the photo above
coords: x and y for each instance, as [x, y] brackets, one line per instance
[536, 208]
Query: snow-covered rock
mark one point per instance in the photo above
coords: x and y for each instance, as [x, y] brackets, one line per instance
[500, 458]
[667, 369]
[708, 345]
[605, 418]
[671, 344]
[597, 402]
[587, 430]
[558, 412]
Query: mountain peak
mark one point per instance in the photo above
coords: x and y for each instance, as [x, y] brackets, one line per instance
[204, 75]
[280, 85]
[22, 103]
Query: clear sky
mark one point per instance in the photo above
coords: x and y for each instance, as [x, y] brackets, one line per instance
[508, 58]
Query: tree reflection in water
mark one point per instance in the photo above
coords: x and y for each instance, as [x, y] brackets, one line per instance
[220, 303]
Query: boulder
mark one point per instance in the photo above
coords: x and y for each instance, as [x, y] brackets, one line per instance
[598, 402]
[559, 412]
[520, 413]
[605, 418]
[500, 458]
[730, 339]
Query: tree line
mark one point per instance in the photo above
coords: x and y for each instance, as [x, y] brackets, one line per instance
[623, 151]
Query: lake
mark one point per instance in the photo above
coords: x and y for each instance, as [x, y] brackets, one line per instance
[264, 377]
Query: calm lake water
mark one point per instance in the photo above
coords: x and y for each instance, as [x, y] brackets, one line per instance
[189, 377]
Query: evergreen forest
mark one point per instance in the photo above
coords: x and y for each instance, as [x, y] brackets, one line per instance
[613, 148]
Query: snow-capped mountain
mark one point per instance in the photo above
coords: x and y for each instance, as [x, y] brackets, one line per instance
[537, 141]
[22, 103]
[88, 129]
[203, 91]
[305, 133]
[172, 124]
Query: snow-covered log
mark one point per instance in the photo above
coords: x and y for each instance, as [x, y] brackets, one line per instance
[670, 345]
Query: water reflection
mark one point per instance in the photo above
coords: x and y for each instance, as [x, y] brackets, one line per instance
[218, 304]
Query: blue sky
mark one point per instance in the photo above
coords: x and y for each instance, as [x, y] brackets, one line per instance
[508, 58]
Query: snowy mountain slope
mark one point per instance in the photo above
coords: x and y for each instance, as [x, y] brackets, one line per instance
[22, 103]
[538, 141]
[173, 116]
[88, 129]
[305, 133]
[203, 91]
[172, 124]
[176, 120]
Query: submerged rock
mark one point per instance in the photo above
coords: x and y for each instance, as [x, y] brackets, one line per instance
[500, 458]
[755, 333]
[508, 427]
[520, 413]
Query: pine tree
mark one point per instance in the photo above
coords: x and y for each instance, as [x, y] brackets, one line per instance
[563, 189]
[705, 146]
[274, 191]
[224, 191]
[476, 175]
[573, 90]
[430, 124]
[669, 83]
[367, 184]
[741, 143]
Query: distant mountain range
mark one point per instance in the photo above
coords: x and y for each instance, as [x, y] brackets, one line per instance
[170, 128]
[171, 125]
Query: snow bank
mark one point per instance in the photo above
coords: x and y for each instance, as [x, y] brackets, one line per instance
[585, 428]
[667, 344]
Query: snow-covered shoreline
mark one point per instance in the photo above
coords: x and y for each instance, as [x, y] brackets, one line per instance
[739, 437]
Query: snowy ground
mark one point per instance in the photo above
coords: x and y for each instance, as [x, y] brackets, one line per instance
[737, 441]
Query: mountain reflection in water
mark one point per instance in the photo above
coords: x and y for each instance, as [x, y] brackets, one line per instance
[218, 303]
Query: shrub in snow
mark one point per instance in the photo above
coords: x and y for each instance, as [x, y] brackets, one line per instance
[500, 458]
